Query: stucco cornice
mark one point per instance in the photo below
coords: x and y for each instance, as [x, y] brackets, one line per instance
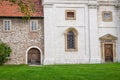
[107, 3]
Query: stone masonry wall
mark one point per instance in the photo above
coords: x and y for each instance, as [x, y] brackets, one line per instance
[20, 38]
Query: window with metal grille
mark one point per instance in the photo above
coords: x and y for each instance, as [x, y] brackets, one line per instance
[70, 40]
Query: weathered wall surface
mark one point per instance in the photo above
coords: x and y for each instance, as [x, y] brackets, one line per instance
[111, 27]
[20, 38]
[89, 25]
[50, 37]
[55, 26]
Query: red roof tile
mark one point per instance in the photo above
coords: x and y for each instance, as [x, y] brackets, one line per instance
[8, 10]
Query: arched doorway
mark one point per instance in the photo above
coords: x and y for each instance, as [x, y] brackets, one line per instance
[34, 56]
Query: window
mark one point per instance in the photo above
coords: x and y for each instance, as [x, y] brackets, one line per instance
[33, 25]
[107, 16]
[7, 25]
[71, 40]
[70, 14]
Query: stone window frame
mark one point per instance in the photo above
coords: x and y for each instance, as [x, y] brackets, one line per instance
[6, 30]
[70, 18]
[107, 20]
[76, 40]
[36, 22]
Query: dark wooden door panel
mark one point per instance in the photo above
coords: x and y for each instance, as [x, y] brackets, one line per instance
[108, 52]
[33, 56]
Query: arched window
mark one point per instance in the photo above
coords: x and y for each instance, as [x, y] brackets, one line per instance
[71, 39]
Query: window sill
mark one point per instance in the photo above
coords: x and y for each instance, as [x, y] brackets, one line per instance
[71, 50]
[33, 31]
[70, 18]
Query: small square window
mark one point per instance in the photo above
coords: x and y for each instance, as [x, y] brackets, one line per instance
[70, 14]
[33, 25]
[7, 25]
[107, 16]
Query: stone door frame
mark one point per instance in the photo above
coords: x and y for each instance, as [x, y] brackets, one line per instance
[103, 51]
[41, 54]
[108, 39]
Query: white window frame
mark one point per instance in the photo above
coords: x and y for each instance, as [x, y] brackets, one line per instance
[36, 21]
[6, 30]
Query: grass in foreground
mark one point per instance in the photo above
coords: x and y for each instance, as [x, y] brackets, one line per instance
[61, 72]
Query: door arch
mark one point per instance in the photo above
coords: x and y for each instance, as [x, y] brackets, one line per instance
[34, 56]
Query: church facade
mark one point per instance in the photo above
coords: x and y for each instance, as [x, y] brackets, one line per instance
[64, 32]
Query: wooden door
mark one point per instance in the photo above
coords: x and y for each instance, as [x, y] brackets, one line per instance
[108, 52]
[33, 56]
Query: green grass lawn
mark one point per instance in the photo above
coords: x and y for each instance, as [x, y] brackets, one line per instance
[61, 72]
